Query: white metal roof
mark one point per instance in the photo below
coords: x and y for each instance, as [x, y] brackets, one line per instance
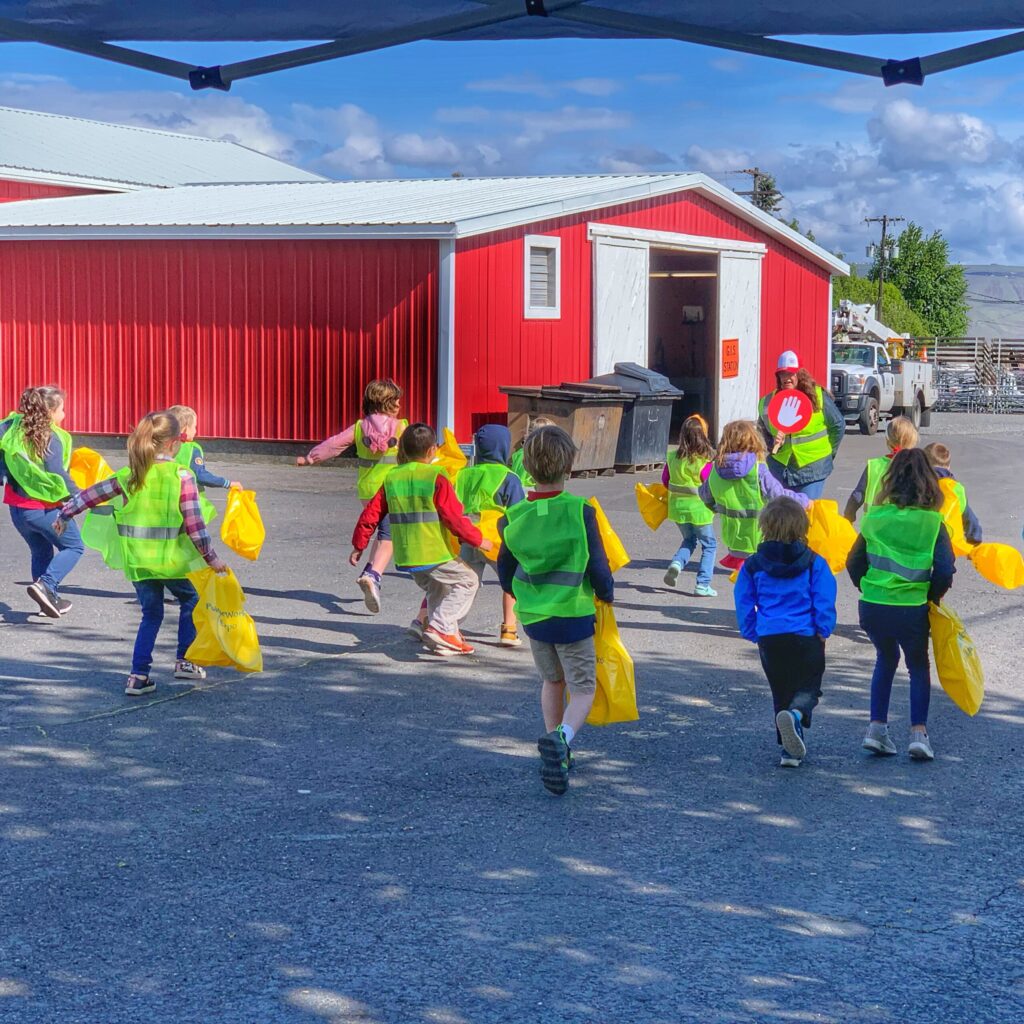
[413, 208]
[54, 149]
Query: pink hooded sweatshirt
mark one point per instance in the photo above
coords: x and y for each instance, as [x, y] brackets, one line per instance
[379, 434]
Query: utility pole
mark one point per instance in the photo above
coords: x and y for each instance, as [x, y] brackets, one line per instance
[757, 191]
[888, 249]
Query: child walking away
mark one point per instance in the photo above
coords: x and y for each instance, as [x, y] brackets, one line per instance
[422, 504]
[786, 604]
[685, 470]
[163, 539]
[902, 560]
[738, 486]
[487, 485]
[191, 456]
[900, 435]
[35, 452]
[535, 423]
[954, 495]
[552, 560]
[376, 439]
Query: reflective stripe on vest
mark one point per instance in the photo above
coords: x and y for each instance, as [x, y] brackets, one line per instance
[415, 524]
[809, 445]
[900, 546]
[148, 532]
[374, 467]
[549, 541]
[739, 502]
[684, 504]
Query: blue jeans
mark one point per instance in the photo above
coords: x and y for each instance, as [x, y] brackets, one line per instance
[53, 557]
[151, 597]
[892, 628]
[814, 490]
[692, 536]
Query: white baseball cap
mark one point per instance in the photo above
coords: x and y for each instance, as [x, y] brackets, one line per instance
[789, 360]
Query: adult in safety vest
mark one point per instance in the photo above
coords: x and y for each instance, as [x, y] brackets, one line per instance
[902, 559]
[802, 460]
[35, 453]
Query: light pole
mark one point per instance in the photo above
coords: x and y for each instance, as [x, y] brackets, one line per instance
[888, 249]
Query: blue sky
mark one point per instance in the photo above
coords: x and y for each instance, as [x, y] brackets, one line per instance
[949, 155]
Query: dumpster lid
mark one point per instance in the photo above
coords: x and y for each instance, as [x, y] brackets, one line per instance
[638, 380]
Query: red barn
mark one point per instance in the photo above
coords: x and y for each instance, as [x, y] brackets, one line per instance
[268, 306]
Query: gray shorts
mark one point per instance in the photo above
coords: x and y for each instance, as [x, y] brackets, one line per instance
[574, 664]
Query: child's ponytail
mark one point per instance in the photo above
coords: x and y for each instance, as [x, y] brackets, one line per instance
[152, 433]
[37, 406]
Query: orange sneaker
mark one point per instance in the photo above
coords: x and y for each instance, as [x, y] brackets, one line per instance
[445, 643]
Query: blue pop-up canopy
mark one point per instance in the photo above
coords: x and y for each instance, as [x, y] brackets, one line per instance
[749, 26]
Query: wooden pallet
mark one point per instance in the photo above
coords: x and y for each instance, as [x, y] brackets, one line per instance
[649, 467]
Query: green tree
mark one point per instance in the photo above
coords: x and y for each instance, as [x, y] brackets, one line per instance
[795, 225]
[898, 314]
[933, 287]
[766, 196]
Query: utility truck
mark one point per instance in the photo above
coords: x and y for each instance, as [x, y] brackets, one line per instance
[877, 373]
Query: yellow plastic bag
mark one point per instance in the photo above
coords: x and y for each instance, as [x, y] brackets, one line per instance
[830, 535]
[956, 659]
[954, 519]
[242, 529]
[489, 528]
[653, 503]
[450, 457]
[88, 467]
[615, 699]
[613, 548]
[225, 632]
[999, 564]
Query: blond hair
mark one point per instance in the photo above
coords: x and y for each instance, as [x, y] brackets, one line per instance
[901, 434]
[783, 520]
[938, 454]
[741, 436]
[534, 423]
[381, 396]
[185, 415]
[548, 454]
[152, 433]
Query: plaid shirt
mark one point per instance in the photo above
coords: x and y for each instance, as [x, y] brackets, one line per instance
[191, 513]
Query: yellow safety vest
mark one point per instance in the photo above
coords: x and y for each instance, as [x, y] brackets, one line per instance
[810, 445]
[374, 466]
[415, 524]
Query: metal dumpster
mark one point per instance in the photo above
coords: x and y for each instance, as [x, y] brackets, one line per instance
[589, 413]
[646, 415]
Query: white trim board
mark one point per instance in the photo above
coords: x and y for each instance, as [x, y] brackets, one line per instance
[674, 240]
[446, 335]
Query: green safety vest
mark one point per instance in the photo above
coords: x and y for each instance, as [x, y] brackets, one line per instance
[519, 469]
[374, 467]
[184, 458]
[476, 487]
[684, 504]
[549, 540]
[739, 503]
[26, 469]
[415, 524]
[901, 547]
[810, 445]
[154, 544]
[877, 470]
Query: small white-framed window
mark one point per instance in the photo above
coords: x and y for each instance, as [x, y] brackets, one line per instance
[542, 277]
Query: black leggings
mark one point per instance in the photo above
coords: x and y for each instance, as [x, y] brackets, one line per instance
[794, 666]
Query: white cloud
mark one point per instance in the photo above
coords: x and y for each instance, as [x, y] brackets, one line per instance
[634, 159]
[415, 150]
[529, 84]
[727, 65]
[716, 161]
[659, 78]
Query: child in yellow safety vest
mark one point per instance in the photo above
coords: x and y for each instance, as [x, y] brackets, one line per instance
[686, 468]
[376, 438]
[900, 435]
[35, 452]
[534, 423]
[553, 562]
[191, 455]
[902, 559]
[963, 525]
[163, 538]
[421, 503]
[738, 487]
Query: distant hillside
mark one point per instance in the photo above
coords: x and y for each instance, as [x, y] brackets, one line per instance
[996, 297]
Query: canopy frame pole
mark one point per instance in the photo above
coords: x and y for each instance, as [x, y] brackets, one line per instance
[972, 53]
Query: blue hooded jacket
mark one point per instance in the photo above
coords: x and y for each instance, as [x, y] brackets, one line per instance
[493, 444]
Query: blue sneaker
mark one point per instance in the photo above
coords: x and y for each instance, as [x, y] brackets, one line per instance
[791, 729]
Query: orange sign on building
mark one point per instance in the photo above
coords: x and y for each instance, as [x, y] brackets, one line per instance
[730, 358]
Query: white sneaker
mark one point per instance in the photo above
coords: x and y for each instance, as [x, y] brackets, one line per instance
[186, 670]
[789, 762]
[878, 741]
[920, 748]
[671, 575]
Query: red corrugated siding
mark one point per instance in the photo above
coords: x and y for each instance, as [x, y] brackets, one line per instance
[267, 340]
[15, 191]
[495, 345]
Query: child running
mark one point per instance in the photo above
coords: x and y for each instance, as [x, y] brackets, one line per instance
[738, 486]
[552, 561]
[786, 604]
[376, 439]
[191, 456]
[686, 468]
[963, 525]
[35, 452]
[163, 539]
[902, 560]
[900, 435]
[422, 504]
[534, 423]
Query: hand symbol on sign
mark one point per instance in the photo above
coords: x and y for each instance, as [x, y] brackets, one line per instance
[789, 412]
